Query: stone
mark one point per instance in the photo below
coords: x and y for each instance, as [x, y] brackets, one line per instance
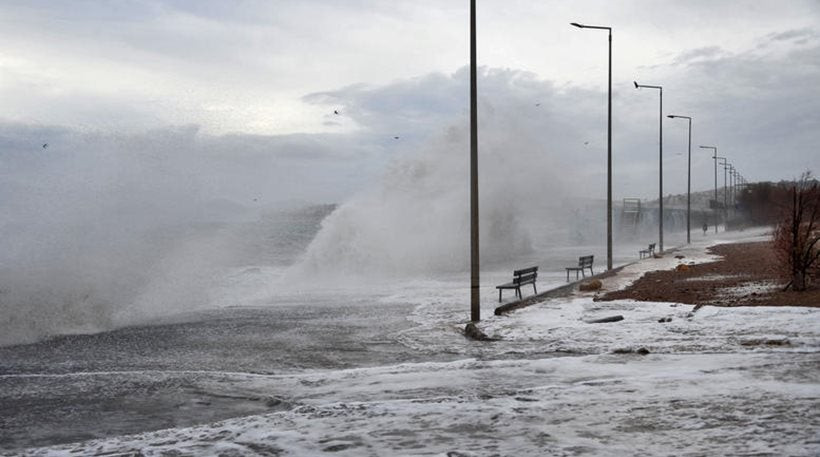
[606, 319]
[473, 332]
[679, 256]
[665, 319]
[641, 351]
[590, 285]
[682, 267]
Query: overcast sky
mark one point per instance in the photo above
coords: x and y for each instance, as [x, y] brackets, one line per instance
[244, 92]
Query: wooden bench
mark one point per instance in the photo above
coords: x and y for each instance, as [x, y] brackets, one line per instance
[584, 262]
[648, 252]
[520, 278]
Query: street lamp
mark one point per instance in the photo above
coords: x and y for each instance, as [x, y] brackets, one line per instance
[608, 147]
[688, 179]
[660, 160]
[475, 303]
[714, 150]
[725, 201]
[735, 187]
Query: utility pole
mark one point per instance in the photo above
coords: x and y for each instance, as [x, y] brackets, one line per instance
[725, 201]
[725, 197]
[715, 156]
[475, 302]
[688, 179]
[660, 160]
[608, 145]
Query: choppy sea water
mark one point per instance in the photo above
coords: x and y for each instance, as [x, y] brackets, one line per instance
[380, 367]
[403, 381]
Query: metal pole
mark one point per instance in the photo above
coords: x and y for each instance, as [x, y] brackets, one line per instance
[689, 188]
[609, 164]
[725, 201]
[716, 216]
[688, 179]
[608, 146]
[475, 303]
[734, 188]
[715, 156]
[660, 170]
[725, 165]
[660, 162]
[716, 200]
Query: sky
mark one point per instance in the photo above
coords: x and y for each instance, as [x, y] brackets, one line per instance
[237, 100]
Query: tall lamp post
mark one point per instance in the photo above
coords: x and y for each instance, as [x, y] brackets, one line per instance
[725, 201]
[660, 160]
[688, 179]
[608, 147]
[735, 176]
[741, 185]
[475, 304]
[714, 150]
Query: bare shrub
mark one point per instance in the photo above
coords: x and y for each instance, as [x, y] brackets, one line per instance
[797, 234]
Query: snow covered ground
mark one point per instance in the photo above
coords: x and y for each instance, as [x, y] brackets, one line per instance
[721, 381]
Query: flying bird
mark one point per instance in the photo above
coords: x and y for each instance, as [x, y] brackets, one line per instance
[395, 138]
[537, 104]
[586, 143]
[336, 112]
[45, 145]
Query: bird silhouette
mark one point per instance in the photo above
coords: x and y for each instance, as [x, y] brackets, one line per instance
[586, 143]
[336, 112]
[395, 138]
[537, 104]
[45, 145]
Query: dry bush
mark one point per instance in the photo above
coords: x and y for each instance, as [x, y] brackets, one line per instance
[797, 234]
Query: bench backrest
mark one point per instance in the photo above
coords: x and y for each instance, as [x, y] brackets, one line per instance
[525, 275]
[651, 246]
[585, 261]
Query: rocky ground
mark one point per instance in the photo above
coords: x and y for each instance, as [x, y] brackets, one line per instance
[746, 275]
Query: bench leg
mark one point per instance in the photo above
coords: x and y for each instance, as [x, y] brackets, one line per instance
[567, 275]
[534, 290]
[499, 295]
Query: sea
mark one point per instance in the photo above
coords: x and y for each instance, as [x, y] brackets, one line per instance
[338, 329]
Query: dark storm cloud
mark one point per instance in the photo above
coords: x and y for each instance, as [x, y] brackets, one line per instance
[750, 104]
[761, 107]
